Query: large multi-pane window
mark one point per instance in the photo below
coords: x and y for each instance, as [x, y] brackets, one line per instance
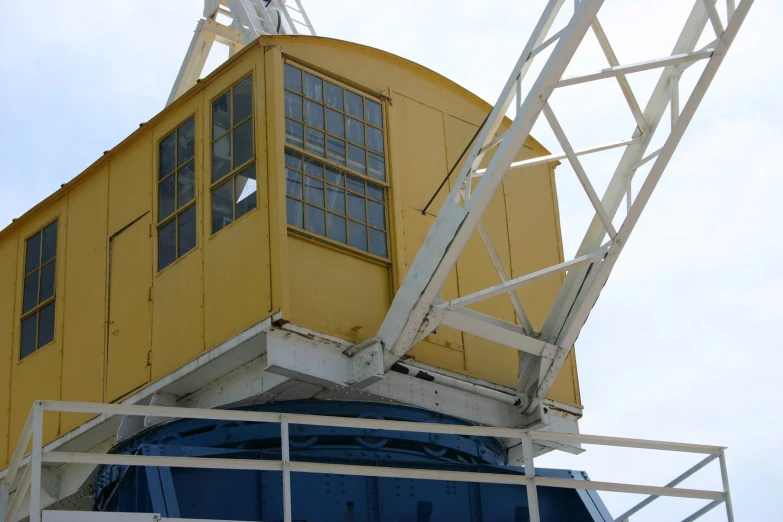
[335, 161]
[233, 155]
[40, 271]
[176, 194]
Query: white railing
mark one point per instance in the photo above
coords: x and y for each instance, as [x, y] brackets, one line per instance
[31, 477]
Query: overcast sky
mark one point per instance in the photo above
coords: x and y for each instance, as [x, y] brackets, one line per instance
[681, 345]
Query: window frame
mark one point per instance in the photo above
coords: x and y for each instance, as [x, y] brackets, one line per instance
[230, 176]
[178, 211]
[345, 169]
[40, 305]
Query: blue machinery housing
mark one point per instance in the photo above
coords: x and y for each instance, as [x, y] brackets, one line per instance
[257, 495]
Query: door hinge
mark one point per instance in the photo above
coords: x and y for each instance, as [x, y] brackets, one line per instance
[149, 358]
[149, 294]
[149, 229]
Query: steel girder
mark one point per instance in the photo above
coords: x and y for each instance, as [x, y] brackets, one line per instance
[417, 310]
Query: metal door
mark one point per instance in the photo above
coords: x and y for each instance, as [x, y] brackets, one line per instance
[130, 279]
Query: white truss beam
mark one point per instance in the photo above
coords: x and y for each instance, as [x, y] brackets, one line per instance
[249, 20]
[416, 310]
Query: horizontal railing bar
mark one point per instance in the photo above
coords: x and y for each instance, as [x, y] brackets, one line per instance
[371, 471]
[560, 156]
[637, 67]
[372, 424]
[528, 279]
[621, 442]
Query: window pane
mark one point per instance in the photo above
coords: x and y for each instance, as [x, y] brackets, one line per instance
[243, 99]
[166, 153]
[375, 139]
[376, 214]
[46, 325]
[334, 96]
[187, 231]
[167, 244]
[243, 143]
[221, 157]
[356, 184]
[354, 105]
[293, 106]
[32, 253]
[245, 188]
[47, 282]
[313, 168]
[335, 123]
[293, 78]
[335, 199]
[336, 228]
[293, 159]
[186, 189]
[356, 158]
[166, 191]
[30, 296]
[375, 191]
[293, 209]
[335, 176]
[49, 245]
[294, 133]
[222, 206]
[221, 116]
[378, 243]
[29, 329]
[356, 131]
[293, 183]
[315, 114]
[315, 221]
[373, 114]
[314, 87]
[314, 191]
[185, 141]
[336, 150]
[357, 235]
[356, 208]
[376, 166]
[315, 141]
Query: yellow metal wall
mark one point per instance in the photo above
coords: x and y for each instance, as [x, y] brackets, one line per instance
[121, 324]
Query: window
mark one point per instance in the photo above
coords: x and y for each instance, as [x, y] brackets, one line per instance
[233, 182]
[40, 271]
[176, 194]
[341, 195]
[330, 202]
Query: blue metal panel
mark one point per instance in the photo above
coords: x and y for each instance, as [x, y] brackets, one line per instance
[256, 495]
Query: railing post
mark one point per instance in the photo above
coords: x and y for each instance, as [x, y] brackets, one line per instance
[286, 458]
[4, 488]
[530, 473]
[725, 476]
[35, 462]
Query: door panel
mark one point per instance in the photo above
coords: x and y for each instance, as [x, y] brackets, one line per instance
[130, 278]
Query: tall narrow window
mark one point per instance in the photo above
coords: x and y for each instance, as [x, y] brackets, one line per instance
[40, 271]
[233, 183]
[335, 162]
[176, 194]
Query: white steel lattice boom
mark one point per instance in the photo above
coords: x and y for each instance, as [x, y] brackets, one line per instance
[417, 309]
[249, 20]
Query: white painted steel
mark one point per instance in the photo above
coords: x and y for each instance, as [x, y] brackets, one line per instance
[285, 449]
[724, 474]
[249, 20]
[35, 462]
[416, 310]
[530, 473]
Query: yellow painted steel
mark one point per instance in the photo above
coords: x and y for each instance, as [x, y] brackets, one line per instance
[121, 324]
[83, 300]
